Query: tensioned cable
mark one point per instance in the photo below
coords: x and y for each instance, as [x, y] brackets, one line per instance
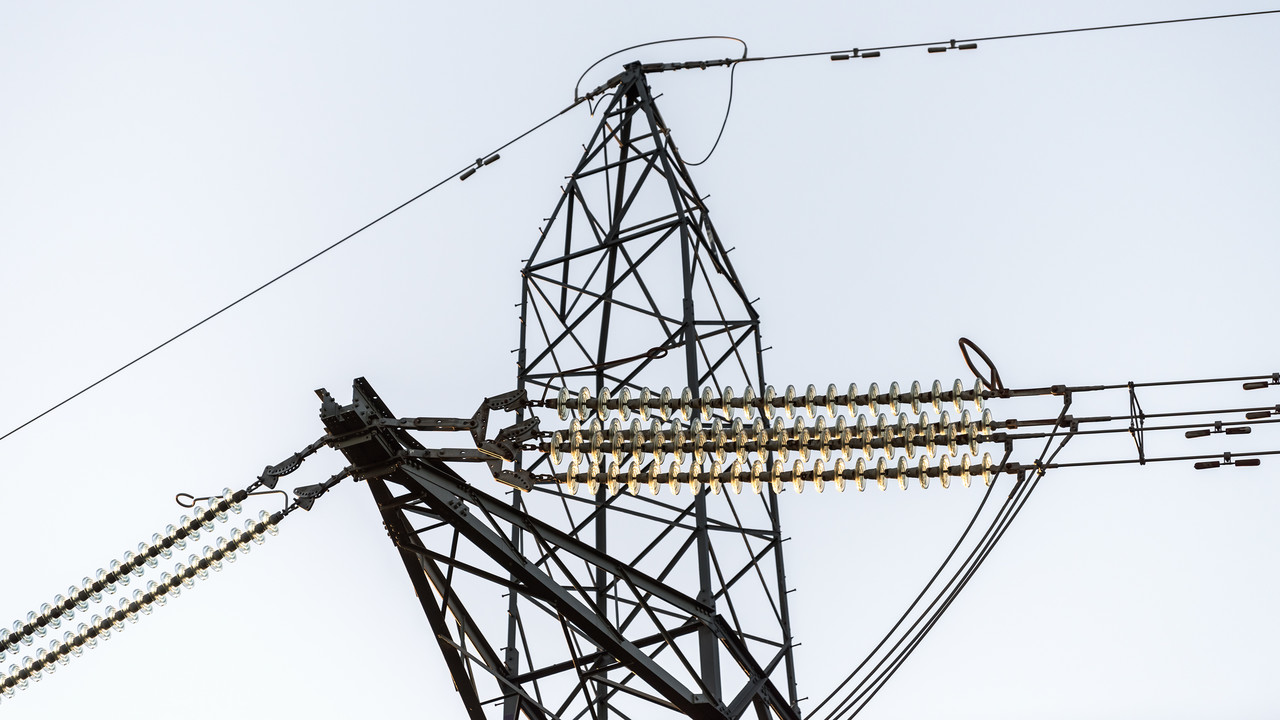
[1011, 36]
[930, 615]
[487, 158]
[578, 99]
[946, 561]
[862, 694]
[1019, 497]
[1020, 502]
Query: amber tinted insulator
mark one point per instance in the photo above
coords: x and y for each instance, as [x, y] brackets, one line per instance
[624, 404]
[562, 404]
[617, 479]
[556, 440]
[781, 435]
[593, 478]
[602, 404]
[571, 478]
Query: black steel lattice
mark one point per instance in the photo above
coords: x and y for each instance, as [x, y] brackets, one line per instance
[616, 605]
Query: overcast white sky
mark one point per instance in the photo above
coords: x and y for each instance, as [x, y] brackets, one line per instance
[1089, 208]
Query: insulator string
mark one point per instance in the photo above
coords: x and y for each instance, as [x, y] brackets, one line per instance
[117, 573]
[109, 579]
[112, 618]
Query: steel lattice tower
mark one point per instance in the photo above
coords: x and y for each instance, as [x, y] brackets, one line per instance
[634, 604]
[549, 604]
[598, 295]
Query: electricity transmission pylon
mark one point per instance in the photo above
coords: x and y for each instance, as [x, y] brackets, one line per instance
[621, 605]
[660, 590]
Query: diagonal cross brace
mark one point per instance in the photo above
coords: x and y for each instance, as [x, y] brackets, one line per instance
[441, 493]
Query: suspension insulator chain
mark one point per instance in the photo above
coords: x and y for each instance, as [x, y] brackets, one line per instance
[108, 579]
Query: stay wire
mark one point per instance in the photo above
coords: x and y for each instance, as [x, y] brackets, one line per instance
[288, 272]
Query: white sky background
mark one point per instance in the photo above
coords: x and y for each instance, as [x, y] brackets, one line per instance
[1089, 208]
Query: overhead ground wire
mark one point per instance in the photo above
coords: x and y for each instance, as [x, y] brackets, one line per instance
[1011, 36]
[470, 169]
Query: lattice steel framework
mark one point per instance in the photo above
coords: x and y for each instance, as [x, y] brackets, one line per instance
[611, 605]
[627, 603]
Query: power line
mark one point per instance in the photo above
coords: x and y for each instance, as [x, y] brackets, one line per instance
[470, 169]
[1012, 36]
[948, 44]
[846, 54]
[464, 173]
